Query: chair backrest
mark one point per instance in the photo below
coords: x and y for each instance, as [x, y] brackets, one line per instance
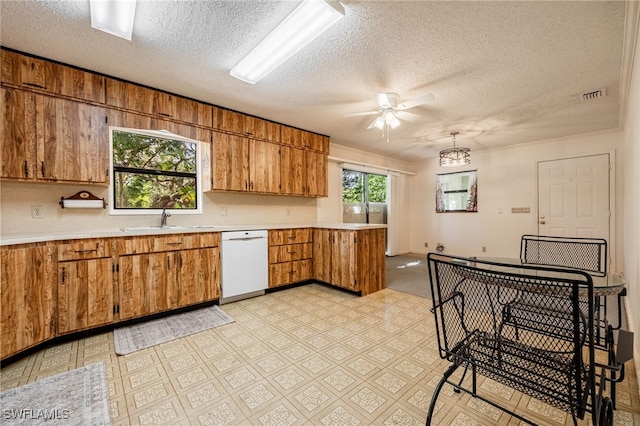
[525, 326]
[586, 254]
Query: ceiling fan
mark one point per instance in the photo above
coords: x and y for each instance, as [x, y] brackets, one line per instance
[391, 112]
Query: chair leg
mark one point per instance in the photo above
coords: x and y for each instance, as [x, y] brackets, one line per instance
[452, 368]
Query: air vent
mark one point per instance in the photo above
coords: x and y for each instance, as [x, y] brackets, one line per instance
[593, 95]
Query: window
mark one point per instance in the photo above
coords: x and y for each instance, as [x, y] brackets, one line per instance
[457, 192]
[364, 197]
[154, 170]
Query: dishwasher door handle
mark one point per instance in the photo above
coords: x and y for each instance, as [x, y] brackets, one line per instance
[245, 239]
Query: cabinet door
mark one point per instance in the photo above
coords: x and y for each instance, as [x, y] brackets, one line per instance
[292, 170]
[229, 162]
[148, 284]
[28, 279]
[343, 259]
[40, 74]
[74, 141]
[322, 243]
[18, 134]
[85, 294]
[292, 136]
[141, 99]
[198, 278]
[264, 167]
[316, 174]
[226, 120]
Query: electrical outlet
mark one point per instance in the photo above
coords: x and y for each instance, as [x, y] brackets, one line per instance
[484, 249]
[37, 212]
[224, 211]
[426, 244]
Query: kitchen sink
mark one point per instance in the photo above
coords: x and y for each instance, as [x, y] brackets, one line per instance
[166, 228]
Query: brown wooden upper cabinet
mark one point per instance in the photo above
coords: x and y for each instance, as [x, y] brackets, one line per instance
[53, 139]
[243, 164]
[39, 74]
[302, 139]
[136, 98]
[229, 121]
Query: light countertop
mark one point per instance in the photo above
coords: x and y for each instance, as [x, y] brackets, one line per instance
[26, 237]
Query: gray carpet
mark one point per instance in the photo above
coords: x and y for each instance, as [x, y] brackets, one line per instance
[77, 397]
[150, 333]
[408, 273]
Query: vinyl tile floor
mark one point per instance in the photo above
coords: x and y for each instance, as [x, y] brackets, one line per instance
[310, 355]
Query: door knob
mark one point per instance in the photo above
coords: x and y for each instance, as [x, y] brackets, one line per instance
[542, 222]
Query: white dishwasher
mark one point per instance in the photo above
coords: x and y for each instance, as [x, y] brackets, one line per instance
[245, 264]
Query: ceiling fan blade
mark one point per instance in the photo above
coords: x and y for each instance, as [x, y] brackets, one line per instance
[408, 116]
[383, 100]
[417, 101]
[360, 114]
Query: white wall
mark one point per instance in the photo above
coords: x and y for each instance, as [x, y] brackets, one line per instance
[631, 200]
[17, 199]
[507, 178]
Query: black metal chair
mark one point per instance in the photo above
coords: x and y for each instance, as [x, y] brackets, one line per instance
[586, 254]
[525, 326]
[589, 255]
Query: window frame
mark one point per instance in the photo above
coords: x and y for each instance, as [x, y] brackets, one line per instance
[200, 146]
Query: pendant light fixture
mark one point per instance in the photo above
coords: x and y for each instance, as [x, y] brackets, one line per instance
[455, 156]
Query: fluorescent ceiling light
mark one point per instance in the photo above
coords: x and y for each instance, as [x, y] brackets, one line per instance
[310, 19]
[113, 16]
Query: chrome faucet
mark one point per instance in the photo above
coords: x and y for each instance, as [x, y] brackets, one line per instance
[163, 218]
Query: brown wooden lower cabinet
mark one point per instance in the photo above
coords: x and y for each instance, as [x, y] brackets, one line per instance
[156, 274]
[27, 294]
[290, 256]
[85, 284]
[353, 260]
[79, 284]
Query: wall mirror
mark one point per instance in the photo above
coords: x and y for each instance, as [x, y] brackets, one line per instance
[457, 192]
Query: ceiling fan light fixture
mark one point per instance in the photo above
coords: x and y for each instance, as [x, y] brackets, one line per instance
[452, 157]
[310, 19]
[114, 17]
[379, 123]
[391, 120]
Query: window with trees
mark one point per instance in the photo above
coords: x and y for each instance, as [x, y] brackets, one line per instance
[154, 170]
[364, 197]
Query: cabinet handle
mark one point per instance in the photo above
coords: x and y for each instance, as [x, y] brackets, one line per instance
[64, 274]
[292, 252]
[87, 251]
[34, 85]
[168, 263]
[173, 243]
[26, 168]
[165, 114]
[42, 168]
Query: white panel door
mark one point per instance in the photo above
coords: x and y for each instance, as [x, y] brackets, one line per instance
[573, 197]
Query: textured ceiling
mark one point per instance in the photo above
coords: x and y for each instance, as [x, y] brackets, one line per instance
[501, 72]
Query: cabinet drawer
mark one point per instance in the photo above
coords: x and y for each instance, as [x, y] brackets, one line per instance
[280, 237]
[290, 272]
[289, 252]
[157, 243]
[211, 239]
[85, 249]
